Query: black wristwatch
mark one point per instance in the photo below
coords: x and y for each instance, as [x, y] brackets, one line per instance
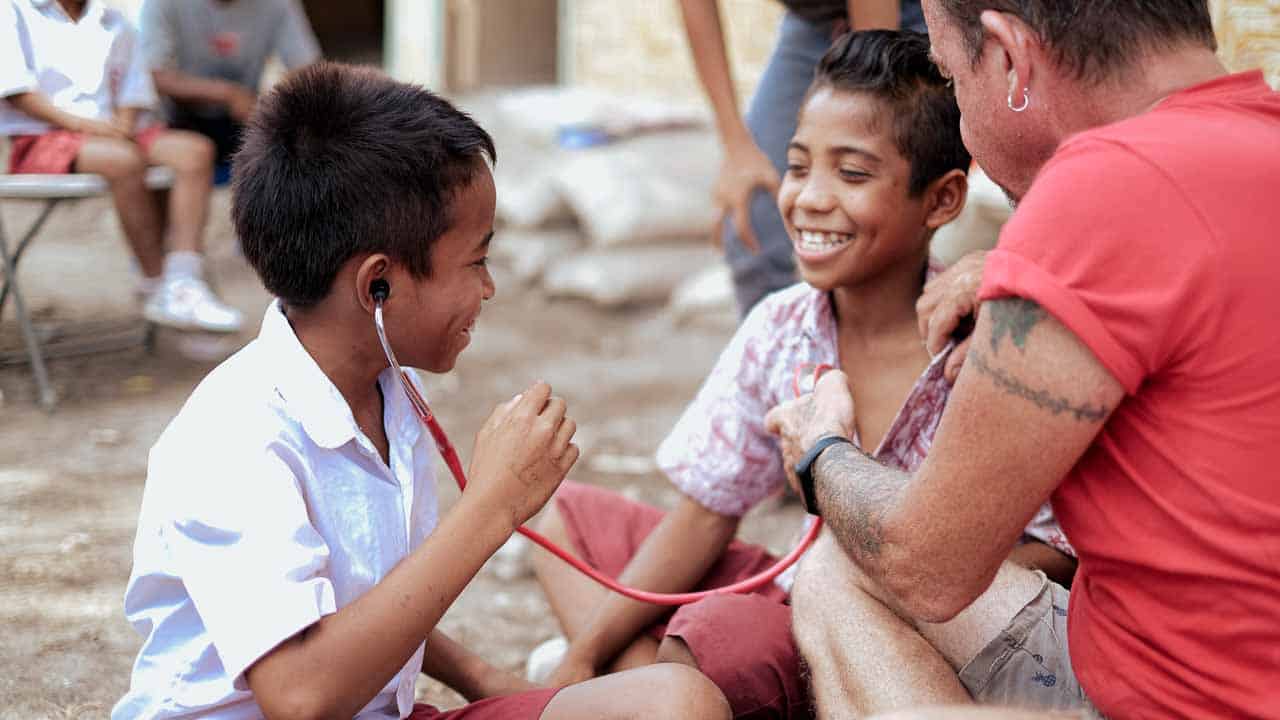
[804, 470]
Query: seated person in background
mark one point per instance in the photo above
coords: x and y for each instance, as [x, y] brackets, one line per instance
[207, 58]
[291, 559]
[875, 167]
[76, 99]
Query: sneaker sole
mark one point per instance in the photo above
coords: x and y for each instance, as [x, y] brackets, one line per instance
[164, 320]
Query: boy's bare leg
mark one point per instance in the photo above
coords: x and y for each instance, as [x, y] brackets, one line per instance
[657, 691]
[865, 659]
[191, 157]
[574, 597]
[123, 165]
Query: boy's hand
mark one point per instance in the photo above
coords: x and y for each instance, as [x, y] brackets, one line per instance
[240, 102]
[523, 452]
[99, 128]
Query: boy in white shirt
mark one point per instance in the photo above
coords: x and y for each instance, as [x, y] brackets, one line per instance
[288, 560]
[76, 94]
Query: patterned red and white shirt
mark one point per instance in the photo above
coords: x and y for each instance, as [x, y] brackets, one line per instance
[719, 453]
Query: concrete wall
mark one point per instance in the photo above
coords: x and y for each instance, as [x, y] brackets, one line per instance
[640, 47]
[632, 46]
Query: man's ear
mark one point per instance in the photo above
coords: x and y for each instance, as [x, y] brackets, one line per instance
[1014, 46]
[945, 198]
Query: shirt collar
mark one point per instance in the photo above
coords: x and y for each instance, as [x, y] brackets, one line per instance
[313, 399]
[93, 10]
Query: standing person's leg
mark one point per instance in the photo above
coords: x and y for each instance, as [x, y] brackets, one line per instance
[124, 166]
[1009, 646]
[772, 121]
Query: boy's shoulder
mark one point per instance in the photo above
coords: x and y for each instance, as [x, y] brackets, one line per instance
[237, 407]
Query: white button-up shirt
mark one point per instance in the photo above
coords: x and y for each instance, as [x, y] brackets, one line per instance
[87, 68]
[265, 509]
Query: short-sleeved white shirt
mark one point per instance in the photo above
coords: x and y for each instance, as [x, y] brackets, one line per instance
[87, 68]
[265, 509]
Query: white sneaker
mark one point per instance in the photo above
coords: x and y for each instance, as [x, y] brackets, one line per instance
[544, 659]
[187, 303]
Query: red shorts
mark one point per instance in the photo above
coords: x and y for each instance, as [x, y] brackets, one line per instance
[521, 706]
[55, 152]
[742, 642]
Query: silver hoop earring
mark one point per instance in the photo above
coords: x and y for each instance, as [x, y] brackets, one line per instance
[1026, 101]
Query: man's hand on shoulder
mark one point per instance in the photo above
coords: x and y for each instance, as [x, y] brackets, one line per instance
[947, 303]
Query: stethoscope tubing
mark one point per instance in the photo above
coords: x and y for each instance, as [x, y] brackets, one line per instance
[451, 459]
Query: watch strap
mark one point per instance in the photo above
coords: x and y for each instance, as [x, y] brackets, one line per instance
[804, 470]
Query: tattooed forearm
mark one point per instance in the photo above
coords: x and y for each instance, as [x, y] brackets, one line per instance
[1040, 398]
[1013, 317]
[854, 494]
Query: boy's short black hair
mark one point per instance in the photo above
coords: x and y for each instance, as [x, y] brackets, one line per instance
[895, 67]
[340, 160]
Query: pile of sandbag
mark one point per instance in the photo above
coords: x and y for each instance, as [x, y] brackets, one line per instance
[604, 198]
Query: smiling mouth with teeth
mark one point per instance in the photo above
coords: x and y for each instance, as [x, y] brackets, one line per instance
[822, 241]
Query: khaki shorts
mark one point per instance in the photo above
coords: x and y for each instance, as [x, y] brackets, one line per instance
[1027, 665]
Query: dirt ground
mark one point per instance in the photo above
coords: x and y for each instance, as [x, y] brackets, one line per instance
[71, 481]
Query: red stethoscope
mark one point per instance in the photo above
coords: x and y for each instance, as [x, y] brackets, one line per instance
[450, 457]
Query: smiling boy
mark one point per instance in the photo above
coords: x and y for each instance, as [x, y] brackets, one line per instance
[289, 561]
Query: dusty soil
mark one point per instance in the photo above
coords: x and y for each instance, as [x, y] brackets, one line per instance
[71, 481]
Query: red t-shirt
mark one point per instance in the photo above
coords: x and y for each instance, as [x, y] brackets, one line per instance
[1156, 240]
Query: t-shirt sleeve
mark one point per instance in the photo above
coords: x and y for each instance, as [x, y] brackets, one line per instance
[296, 44]
[719, 453]
[17, 72]
[157, 34]
[136, 88]
[1109, 245]
[250, 559]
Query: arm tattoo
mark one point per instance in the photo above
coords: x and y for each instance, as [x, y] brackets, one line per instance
[854, 493]
[1013, 317]
[1042, 399]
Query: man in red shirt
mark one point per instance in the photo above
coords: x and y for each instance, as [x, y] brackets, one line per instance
[1125, 362]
